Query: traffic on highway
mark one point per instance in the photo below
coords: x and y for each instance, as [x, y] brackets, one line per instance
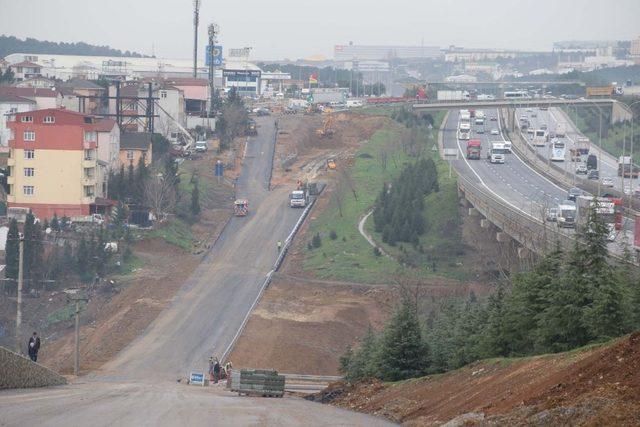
[485, 156]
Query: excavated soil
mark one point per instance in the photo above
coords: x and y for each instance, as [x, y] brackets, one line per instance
[590, 387]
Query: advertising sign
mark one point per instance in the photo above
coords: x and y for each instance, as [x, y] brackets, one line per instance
[217, 56]
[196, 378]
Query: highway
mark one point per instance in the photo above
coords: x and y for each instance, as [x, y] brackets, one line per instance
[515, 183]
[139, 386]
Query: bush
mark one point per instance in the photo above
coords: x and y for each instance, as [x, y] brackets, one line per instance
[376, 251]
[333, 235]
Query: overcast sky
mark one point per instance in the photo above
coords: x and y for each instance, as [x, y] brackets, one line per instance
[298, 28]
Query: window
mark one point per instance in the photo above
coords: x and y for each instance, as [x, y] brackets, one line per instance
[129, 154]
[29, 135]
[49, 119]
[90, 137]
[13, 110]
[27, 119]
[89, 173]
[163, 94]
[28, 190]
[29, 154]
[29, 172]
[88, 154]
[89, 191]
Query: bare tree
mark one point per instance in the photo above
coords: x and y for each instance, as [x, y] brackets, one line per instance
[160, 193]
[347, 178]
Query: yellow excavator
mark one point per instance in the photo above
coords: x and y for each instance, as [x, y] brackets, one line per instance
[326, 131]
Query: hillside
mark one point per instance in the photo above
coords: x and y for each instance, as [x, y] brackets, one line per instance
[589, 386]
[11, 44]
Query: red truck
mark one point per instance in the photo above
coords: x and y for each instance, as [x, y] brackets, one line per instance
[474, 149]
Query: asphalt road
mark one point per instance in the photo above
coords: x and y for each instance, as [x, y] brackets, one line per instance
[139, 386]
[514, 182]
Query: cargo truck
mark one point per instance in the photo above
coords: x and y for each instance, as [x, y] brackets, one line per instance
[474, 149]
[298, 199]
[497, 153]
[626, 167]
[452, 95]
[464, 131]
[599, 91]
[566, 214]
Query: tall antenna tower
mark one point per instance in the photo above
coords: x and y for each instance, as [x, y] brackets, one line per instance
[213, 33]
[196, 20]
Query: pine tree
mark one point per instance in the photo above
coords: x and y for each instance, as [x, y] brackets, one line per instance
[131, 183]
[12, 251]
[493, 341]
[195, 199]
[402, 352]
[55, 223]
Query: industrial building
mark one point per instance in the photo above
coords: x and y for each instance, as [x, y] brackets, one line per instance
[351, 52]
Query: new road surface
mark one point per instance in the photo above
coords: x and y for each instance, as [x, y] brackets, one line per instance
[139, 386]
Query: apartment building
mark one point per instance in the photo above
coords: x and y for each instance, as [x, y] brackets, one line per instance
[59, 162]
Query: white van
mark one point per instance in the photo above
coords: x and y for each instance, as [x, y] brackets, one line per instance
[201, 146]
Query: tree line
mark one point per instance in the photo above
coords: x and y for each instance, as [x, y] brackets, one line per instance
[398, 210]
[11, 44]
[565, 301]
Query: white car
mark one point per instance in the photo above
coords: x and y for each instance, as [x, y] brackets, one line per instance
[607, 181]
[495, 132]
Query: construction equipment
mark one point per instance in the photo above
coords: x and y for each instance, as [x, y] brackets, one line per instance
[326, 131]
[241, 207]
[331, 163]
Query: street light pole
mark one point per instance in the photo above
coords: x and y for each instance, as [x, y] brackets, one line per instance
[20, 284]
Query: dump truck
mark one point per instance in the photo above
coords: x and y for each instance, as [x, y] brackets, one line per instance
[474, 149]
[241, 207]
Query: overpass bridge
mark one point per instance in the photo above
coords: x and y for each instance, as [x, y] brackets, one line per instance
[619, 111]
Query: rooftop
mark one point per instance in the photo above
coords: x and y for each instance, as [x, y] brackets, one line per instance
[135, 141]
[28, 92]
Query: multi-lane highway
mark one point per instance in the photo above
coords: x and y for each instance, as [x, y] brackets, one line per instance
[139, 386]
[515, 183]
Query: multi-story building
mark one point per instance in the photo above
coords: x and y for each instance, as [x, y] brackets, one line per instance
[11, 104]
[59, 162]
[26, 70]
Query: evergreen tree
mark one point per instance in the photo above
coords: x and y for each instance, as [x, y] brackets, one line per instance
[12, 251]
[361, 363]
[195, 199]
[402, 353]
[131, 183]
[121, 184]
[493, 342]
[55, 223]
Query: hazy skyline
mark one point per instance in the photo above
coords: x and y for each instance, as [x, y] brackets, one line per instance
[293, 29]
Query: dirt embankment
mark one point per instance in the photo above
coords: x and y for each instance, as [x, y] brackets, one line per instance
[590, 387]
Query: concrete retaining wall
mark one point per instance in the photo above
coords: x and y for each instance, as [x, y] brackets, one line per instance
[20, 372]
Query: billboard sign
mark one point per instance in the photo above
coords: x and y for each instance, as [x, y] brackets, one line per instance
[240, 53]
[217, 56]
[241, 73]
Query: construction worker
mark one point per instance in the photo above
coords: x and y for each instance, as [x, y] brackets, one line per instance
[279, 244]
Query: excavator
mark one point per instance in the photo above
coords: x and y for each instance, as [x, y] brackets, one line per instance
[326, 131]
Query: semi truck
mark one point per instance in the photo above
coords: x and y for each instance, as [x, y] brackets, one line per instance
[540, 137]
[465, 116]
[604, 208]
[560, 130]
[497, 153]
[626, 167]
[474, 149]
[464, 131]
[452, 95]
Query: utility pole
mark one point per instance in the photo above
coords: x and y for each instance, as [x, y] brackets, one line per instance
[213, 32]
[196, 20]
[20, 282]
[76, 356]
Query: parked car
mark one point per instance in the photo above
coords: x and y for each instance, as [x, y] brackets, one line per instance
[495, 132]
[581, 169]
[493, 118]
[552, 215]
[593, 174]
[607, 181]
[574, 193]
[201, 146]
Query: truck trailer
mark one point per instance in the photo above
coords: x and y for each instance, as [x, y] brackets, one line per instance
[474, 149]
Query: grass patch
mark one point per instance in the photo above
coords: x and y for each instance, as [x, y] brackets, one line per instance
[65, 313]
[129, 266]
[349, 256]
[175, 232]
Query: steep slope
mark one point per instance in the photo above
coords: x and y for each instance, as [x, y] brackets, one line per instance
[590, 386]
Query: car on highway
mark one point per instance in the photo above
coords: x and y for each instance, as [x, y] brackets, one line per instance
[534, 115]
[480, 130]
[581, 169]
[493, 118]
[495, 132]
[544, 126]
[574, 193]
[531, 131]
[607, 181]
[529, 110]
[593, 174]
[552, 215]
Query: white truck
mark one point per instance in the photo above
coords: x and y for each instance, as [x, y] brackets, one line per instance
[566, 214]
[298, 199]
[540, 137]
[452, 95]
[464, 131]
[561, 131]
[353, 103]
[497, 153]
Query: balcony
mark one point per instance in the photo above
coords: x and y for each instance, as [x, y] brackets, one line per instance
[11, 161]
[88, 163]
[11, 180]
[89, 180]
